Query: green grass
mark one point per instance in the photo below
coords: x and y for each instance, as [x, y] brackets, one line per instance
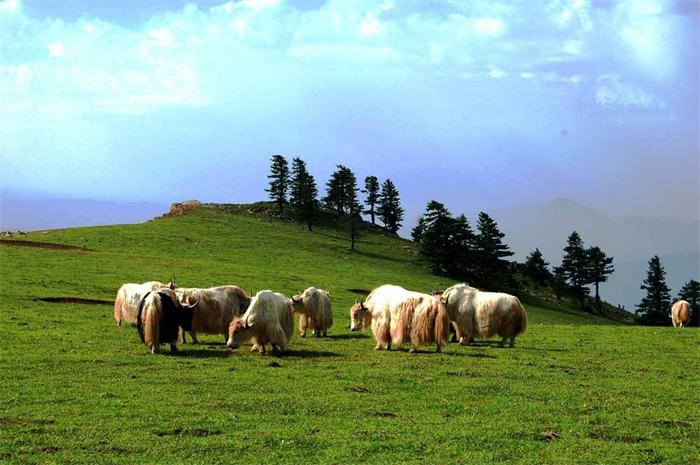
[77, 389]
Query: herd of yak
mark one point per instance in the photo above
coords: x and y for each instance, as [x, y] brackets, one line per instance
[164, 313]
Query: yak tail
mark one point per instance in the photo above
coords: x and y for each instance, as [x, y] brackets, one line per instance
[139, 318]
[519, 319]
[118, 303]
[442, 326]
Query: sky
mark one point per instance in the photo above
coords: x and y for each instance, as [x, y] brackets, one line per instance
[478, 104]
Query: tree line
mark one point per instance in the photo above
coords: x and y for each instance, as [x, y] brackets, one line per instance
[298, 188]
[655, 306]
[455, 249]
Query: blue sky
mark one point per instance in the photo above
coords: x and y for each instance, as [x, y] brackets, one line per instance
[479, 104]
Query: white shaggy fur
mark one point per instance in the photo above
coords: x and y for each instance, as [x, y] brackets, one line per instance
[484, 314]
[314, 308]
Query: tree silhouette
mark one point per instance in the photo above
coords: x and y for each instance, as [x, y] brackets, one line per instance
[279, 181]
[655, 305]
[600, 267]
[303, 191]
[371, 192]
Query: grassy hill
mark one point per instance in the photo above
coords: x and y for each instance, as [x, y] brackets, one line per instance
[576, 389]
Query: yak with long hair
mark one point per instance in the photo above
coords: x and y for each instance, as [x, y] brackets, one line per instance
[269, 319]
[129, 296]
[159, 317]
[475, 313]
[680, 313]
[314, 309]
[400, 316]
[216, 308]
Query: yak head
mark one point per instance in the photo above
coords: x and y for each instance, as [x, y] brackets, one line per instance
[360, 316]
[238, 332]
[172, 284]
[185, 314]
[297, 302]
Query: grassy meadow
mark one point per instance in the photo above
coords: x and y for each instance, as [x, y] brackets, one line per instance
[77, 389]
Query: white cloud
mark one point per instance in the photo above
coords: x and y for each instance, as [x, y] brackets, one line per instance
[489, 27]
[56, 50]
[611, 92]
[497, 73]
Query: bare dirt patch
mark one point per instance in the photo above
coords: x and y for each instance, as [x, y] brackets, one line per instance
[43, 245]
[73, 300]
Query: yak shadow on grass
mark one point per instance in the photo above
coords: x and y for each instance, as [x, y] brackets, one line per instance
[306, 353]
[199, 353]
[341, 337]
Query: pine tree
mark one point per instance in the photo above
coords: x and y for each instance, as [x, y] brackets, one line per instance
[352, 204]
[335, 198]
[461, 248]
[559, 281]
[303, 191]
[371, 192]
[435, 235]
[537, 267]
[490, 252]
[417, 231]
[690, 292]
[279, 181]
[654, 307]
[390, 211]
[600, 267]
[575, 266]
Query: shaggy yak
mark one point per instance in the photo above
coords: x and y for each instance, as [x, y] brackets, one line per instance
[129, 295]
[217, 307]
[314, 309]
[269, 319]
[398, 316]
[680, 313]
[484, 314]
[160, 315]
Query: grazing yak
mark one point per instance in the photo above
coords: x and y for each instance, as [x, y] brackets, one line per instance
[680, 314]
[217, 307]
[129, 295]
[484, 314]
[398, 316]
[314, 309]
[159, 316]
[269, 319]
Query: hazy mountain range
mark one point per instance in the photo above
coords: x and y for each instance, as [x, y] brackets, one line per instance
[30, 214]
[632, 241]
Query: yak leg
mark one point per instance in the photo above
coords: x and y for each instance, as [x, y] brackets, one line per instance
[512, 342]
[182, 336]
[502, 343]
[155, 348]
[413, 350]
[193, 335]
[173, 346]
[438, 348]
[378, 346]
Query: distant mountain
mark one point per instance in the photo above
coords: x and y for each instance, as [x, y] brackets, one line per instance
[631, 241]
[27, 214]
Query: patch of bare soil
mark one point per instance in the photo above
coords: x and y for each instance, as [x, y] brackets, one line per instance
[43, 245]
[74, 300]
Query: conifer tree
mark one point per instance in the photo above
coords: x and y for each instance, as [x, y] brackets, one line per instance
[303, 191]
[537, 267]
[690, 292]
[336, 190]
[435, 235]
[352, 204]
[559, 281]
[279, 181]
[390, 211]
[371, 192]
[655, 305]
[461, 248]
[600, 267]
[575, 266]
[490, 252]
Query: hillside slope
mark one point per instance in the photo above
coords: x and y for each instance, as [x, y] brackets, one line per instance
[78, 389]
